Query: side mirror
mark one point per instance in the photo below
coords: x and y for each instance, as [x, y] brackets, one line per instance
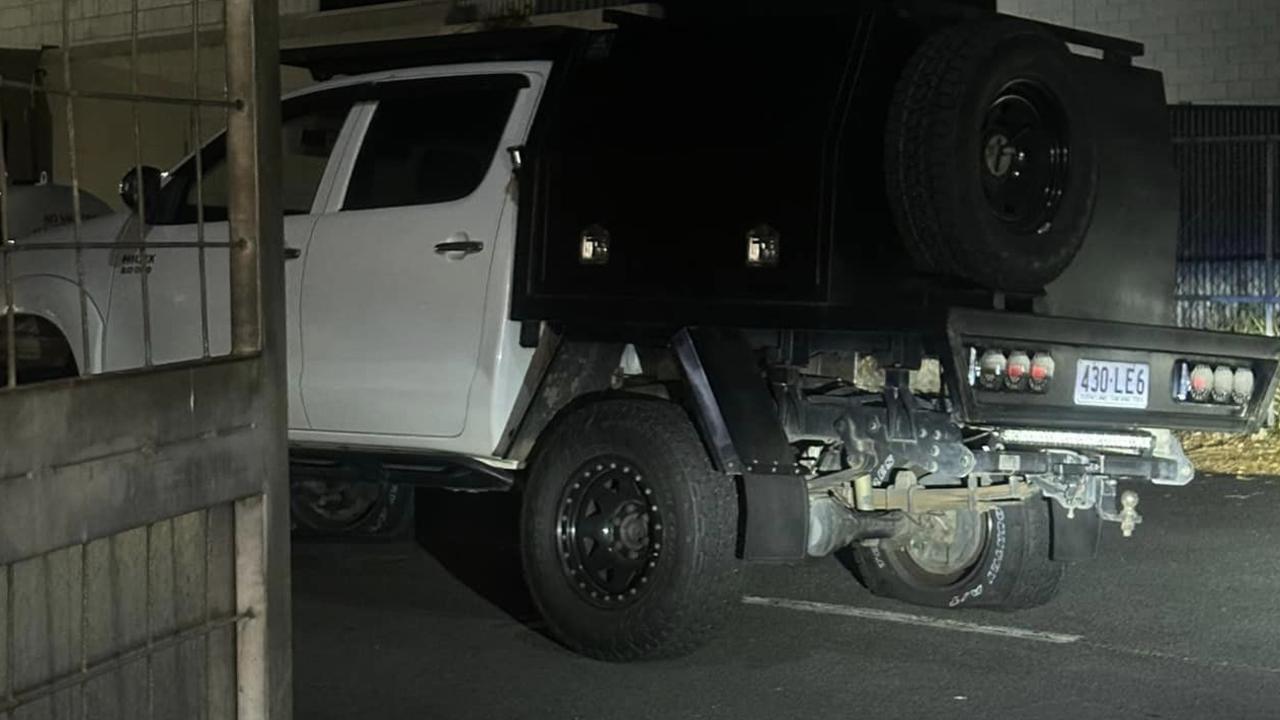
[148, 188]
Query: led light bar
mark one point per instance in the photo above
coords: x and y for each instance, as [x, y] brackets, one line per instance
[1075, 439]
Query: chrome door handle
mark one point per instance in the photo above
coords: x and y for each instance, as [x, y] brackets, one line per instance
[463, 247]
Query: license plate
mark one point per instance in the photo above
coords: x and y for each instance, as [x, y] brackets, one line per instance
[1105, 383]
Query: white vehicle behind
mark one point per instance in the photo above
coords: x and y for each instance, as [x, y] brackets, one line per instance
[36, 207]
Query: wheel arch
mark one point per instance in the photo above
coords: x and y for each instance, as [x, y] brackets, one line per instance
[563, 373]
[54, 300]
[727, 398]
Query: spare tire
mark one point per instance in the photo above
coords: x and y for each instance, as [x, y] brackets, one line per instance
[990, 156]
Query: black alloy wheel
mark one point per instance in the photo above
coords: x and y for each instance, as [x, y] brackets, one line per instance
[991, 160]
[610, 531]
[627, 532]
[1025, 156]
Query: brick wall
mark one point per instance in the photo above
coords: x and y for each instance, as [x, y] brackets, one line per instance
[1210, 51]
[32, 23]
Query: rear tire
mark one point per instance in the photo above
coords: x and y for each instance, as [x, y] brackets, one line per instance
[628, 533]
[1010, 568]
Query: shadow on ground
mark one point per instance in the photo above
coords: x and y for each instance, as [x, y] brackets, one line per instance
[475, 537]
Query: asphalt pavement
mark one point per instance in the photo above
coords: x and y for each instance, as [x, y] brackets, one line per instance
[1180, 621]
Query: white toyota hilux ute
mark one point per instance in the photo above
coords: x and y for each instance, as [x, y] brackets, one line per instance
[397, 281]
[639, 275]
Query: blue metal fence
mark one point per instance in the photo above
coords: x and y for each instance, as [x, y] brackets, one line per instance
[1228, 158]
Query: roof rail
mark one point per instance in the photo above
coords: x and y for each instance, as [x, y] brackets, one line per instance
[535, 43]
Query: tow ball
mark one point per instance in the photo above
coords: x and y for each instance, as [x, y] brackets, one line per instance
[1085, 492]
[1129, 517]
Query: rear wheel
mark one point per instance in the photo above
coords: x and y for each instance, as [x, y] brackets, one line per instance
[961, 558]
[628, 533]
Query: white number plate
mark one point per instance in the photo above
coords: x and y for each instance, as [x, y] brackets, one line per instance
[1104, 383]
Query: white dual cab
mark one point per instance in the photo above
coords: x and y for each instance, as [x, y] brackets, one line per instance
[399, 229]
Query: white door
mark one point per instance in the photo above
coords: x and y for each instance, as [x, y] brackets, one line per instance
[394, 289]
[312, 127]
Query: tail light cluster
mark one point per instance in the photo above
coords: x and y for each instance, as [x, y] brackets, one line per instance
[1205, 383]
[1015, 370]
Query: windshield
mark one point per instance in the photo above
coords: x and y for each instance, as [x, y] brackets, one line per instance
[309, 132]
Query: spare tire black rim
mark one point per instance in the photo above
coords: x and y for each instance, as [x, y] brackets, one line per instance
[609, 532]
[1025, 157]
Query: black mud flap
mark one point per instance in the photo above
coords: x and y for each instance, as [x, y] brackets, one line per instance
[774, 522]
[739, 424]
[1075, 538]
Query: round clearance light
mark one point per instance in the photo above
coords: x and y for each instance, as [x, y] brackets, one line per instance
[1018, 371]
[1042, 368]
[991, 369]
[1242, 386]
[1223, 381]
[1201, 383]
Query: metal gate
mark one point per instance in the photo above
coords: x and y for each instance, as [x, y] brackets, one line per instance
[144, 562]
[1229, 162]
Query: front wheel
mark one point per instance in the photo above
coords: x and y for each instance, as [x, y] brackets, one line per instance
[628, 533]
[962, 558]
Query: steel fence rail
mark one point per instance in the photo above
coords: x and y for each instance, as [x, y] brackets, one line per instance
[11, 354]
[78, 244]
[140, 552]
[129, 97]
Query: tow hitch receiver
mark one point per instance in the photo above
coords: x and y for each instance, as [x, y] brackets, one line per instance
[930, 465]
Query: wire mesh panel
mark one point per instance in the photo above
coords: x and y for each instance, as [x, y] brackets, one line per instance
[143, 498]
[1229, 161]
[137, 624]
[112, 261]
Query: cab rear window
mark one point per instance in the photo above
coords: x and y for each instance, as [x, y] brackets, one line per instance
[427, 148]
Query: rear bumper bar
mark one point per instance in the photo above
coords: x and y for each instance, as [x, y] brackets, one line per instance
[1069, 340]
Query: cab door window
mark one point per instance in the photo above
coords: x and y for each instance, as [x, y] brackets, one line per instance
[432, 143]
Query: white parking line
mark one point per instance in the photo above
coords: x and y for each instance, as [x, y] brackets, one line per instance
[909, 619]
